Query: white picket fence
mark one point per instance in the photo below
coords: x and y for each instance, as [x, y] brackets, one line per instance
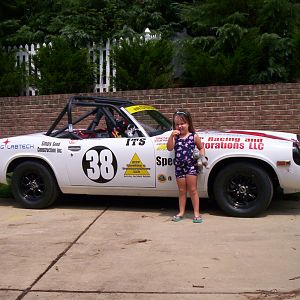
[99, 54]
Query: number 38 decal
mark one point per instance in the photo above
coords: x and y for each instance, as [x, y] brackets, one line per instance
[99, 164]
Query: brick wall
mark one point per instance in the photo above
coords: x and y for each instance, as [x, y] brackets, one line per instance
[266, 107]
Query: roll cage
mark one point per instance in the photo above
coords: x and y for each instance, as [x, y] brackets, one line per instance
[97, 108]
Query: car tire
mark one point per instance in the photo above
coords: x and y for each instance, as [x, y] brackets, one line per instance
[33, 185]
[243, 189]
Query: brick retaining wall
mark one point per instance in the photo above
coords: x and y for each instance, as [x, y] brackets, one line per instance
[266, 107]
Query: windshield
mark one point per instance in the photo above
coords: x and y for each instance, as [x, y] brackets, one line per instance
[150, 119]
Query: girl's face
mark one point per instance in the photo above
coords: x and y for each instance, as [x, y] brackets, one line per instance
[181, 125]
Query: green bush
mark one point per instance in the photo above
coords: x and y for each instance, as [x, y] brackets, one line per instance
[5, 191]
[12, 77]
[296, 56]
[202, 68]
[63, 69]
[143, 65]
[255, 59]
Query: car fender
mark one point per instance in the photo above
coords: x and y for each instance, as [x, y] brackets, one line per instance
[60, 173]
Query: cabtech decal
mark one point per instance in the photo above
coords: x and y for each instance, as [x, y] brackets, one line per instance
[99, 164]
[6, 145]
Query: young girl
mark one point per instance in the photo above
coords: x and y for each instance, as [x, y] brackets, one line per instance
[183, 140]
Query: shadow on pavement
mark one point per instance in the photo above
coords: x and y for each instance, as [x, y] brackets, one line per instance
[281, 205]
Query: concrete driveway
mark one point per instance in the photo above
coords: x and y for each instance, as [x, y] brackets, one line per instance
[113, 248]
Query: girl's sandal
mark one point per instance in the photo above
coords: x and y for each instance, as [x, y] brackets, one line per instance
[177, 218]
[197, 219]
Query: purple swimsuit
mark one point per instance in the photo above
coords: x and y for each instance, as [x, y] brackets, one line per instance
[185, 164]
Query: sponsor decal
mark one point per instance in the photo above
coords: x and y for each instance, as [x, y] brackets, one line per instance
[161, 178]
[136, 168]
[257, 134]
[135, 142]
[236, 143]
[160, 139]
[99, 164]
[136, 108]
[165, 161]
[162, 147]
[8, 145]
[49, 147]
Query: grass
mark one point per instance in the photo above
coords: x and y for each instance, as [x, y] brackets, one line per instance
[5, 191]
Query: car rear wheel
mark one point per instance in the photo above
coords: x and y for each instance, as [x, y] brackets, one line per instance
[33, 185]
[243, 190]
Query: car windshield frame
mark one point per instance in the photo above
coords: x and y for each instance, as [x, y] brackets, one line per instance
[150, 119]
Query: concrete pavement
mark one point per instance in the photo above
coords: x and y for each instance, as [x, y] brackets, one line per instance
[112, 248]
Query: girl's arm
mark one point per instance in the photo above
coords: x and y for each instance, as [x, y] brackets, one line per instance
[199, 145]
[171, 140]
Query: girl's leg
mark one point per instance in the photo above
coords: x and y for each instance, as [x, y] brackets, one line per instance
[191, 183]
[181, 182]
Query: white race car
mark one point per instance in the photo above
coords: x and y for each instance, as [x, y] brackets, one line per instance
[107, 146]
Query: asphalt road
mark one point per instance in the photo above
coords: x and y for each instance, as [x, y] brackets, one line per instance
[128, 248]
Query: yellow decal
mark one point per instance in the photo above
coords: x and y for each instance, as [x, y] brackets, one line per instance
[136, 168]
[136, 108]
[162, 147]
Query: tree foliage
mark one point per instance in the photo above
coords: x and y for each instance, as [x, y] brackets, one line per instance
[82, 21]
[226, 42]
[249, 41]
[12, 78]
[63, 69]
[143, 65]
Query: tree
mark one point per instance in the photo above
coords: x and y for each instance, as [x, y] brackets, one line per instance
[83, 21]
[227, 42]
[143, 65]
[12, 77]
[240, 42]
[63, 69]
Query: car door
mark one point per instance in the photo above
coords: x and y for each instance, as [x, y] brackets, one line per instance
[115, 162]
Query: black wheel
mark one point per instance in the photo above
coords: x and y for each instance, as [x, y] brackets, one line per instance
[33, 185]
[243, 190]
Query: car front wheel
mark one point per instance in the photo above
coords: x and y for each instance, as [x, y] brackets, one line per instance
[33, 185]
[243, 189]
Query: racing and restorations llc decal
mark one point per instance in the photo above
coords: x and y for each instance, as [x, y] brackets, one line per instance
[236, 143]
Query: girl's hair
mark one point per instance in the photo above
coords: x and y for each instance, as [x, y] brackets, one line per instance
[185, 116]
